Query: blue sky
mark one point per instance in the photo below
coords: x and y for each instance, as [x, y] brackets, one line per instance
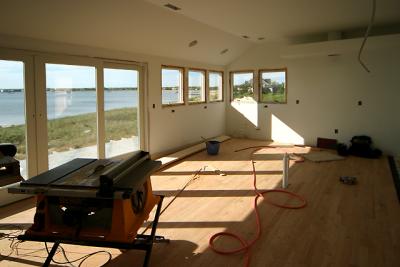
[240, 78]
[120, 78]
[215, 80]
[11, 74]
[171, 78]
[275, 76]
[196, 78]
[68, 76]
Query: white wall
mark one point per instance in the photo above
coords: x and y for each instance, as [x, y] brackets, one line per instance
[167, 130]
[328, 89]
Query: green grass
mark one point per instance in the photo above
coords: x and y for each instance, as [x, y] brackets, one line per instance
[273, 98]
[121, 123]
[214, 94]
[76, 131]
[241, 92]
[195, 99]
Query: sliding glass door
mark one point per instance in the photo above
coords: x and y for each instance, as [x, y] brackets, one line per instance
[91, 110]
[12, 108]
[71, 112]
[121, 110]
[16, 101]
[58, 108]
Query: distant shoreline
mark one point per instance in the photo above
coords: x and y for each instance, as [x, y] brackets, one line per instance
[63, 103]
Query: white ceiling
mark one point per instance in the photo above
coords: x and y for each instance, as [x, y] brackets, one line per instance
[125, 25]
[147, 27]
[280, 20]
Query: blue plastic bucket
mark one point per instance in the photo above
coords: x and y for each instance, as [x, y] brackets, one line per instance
[212, 147]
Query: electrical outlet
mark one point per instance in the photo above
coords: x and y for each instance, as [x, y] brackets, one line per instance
[336, 131]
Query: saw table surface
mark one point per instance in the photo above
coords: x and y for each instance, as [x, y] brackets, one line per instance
[92, 174]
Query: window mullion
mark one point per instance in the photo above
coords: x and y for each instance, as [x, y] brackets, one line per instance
[101, 137]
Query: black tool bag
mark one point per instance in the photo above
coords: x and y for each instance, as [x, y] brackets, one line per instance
[8, 149]
[361, 146]
[342, 149]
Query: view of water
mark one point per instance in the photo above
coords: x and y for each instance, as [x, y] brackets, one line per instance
[171, 96]
[63, 104]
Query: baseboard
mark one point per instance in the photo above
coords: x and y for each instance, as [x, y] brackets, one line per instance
[180, 154]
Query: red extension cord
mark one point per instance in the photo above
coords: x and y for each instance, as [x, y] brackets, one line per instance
[246, 245]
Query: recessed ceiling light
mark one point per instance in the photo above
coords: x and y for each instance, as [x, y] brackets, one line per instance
[245, 36]
[260, 38]
[193, 43]
[224, 51]
[333, 55]
[174, 8]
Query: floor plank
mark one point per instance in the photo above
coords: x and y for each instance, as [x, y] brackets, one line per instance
[341, 226]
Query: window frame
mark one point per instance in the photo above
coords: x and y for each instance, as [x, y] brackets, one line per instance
[260, 72]
[183, 79]
[41, 59]
[205, 80]
[231, 73]
[208, 86]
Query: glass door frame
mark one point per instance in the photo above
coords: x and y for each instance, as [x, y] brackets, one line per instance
[30, 106]
[36, 106]
[99, 64]
[142, 99]
[41, 98]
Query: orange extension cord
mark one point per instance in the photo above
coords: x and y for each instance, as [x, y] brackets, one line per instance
[246, 245]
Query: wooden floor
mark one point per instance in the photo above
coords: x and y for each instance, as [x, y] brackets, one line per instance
[341, 226]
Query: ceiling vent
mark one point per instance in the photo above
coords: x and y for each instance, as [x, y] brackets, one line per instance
[193, 43]
[224, 51]
[174, 8]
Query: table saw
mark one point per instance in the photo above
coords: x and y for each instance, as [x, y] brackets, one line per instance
[96, 202]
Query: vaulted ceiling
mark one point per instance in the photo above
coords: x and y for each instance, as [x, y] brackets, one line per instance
[148, 27]
[284, 20]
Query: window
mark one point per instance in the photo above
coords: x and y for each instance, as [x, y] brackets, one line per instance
[172, 85]
[197, 86]
[242, 85]
[215, 86]
[273, 86]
